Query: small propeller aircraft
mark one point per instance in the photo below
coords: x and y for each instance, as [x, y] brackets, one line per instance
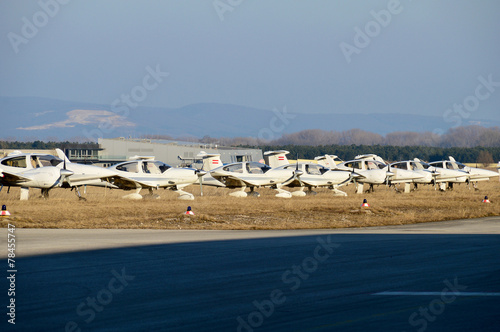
[472, 174]
[427, 176]
[84, 175]
[312, 175]
[210, 161]
[303, 175]
[253, 175]
[374, 170]
[32, 170]
[145, 172]
[44, 171]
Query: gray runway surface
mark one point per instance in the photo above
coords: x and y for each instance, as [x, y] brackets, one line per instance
[325, 280]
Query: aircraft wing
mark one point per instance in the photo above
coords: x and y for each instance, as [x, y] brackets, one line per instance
[232, 181]
[245, 180]
[8, 177]
[81, 179]
[129, 183]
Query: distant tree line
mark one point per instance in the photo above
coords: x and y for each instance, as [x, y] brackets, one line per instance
[466, 137]
[40, 145]
[469, 144]
[392, 153]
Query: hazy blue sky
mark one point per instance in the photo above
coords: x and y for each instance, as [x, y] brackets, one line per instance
[262, 53]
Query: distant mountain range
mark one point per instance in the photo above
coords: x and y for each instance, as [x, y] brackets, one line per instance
[43, 118]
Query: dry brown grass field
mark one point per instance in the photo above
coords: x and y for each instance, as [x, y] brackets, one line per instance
[105, 208]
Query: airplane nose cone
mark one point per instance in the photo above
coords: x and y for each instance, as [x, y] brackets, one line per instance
[298, 172]
[66, 172]
[200, 172]
[390, 173]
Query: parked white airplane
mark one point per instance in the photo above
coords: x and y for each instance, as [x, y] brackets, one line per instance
[84, 175]
[211, 161]
[253, 175]
[427, 176]
[145, 172]
[44, 171]
[467, 174]
[373, 170]
[312, 175]
[474, 173]
[32, 170]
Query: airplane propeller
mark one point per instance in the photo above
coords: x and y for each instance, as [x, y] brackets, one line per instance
[388, 175]
[295, 176]
[200, 174]
[64, 173]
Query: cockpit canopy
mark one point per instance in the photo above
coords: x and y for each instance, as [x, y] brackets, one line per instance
[251, 167]
[311, 169]
[411, 165]
[365, 164]
[35, 161]
[147, 167]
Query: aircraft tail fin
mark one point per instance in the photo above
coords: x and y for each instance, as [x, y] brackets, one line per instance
[276, 158]
[327, 161]
[210, 160]
[370, 156]
[62, 155]
[452, 159]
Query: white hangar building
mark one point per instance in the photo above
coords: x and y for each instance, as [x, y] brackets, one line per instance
[175, 153]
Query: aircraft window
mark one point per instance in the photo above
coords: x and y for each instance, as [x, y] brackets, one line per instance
[416, 166]
[449, 166]
[402, 165]
[374, 165]
[353, 164]
[16, 162]
[257, 168]
[34, 162]
[236, 168]
[155, 167]
[48, 161]
[424, 165]
[437, 164]
[162, 166]
[313, 169]
[461, 166]
[130, 167]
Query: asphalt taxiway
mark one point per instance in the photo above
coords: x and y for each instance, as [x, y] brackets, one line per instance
[423, 277]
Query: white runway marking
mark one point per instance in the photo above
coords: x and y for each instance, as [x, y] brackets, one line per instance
[437, 293]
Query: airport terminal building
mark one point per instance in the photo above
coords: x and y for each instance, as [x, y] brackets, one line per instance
[175, 153]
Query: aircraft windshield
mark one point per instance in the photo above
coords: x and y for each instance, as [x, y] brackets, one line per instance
[42, 161]
[400, 165]
[418, 166]
[424, 165]
[372, 164]
[460, 165]
[315, 169]
[257, 168]
[155, 167]
[437, 164]
[449, 165]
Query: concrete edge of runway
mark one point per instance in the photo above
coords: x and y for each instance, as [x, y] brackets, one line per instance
[39, 241]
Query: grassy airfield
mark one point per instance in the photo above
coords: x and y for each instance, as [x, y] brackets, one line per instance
[105, 208]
